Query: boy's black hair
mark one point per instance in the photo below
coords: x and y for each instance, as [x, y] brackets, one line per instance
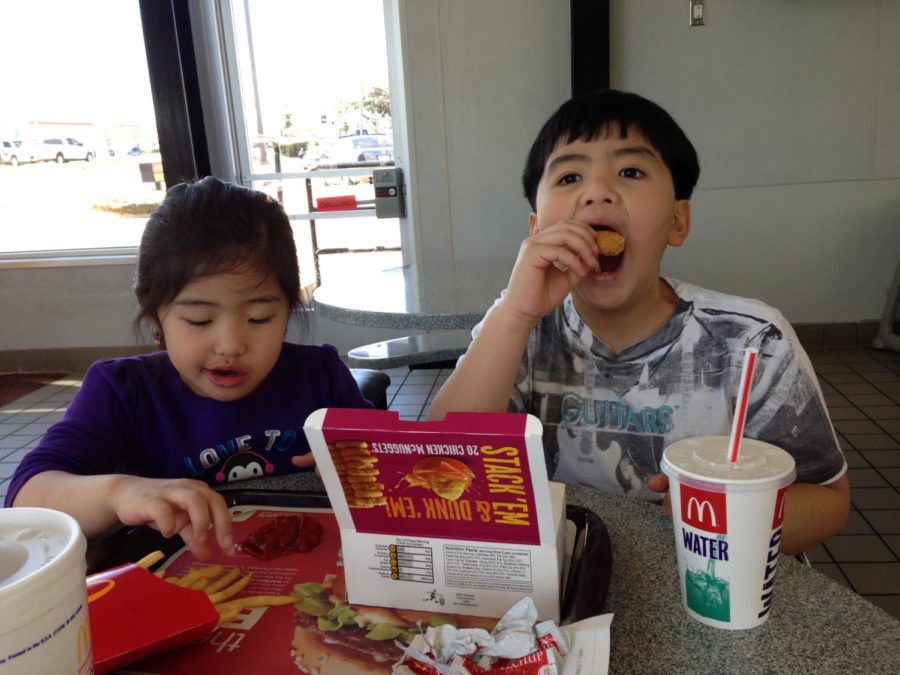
[208, 227]
[589, 115]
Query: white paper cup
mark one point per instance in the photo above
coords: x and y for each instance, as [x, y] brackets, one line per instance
[728, 520]
[44, 625]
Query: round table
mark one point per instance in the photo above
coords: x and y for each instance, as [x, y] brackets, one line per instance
[816, 624]
[448, 295]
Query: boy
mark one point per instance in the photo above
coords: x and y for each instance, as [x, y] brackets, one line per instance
[617, 362]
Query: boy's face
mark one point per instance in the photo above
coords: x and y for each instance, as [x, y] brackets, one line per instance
[619, 184]
[224, 332]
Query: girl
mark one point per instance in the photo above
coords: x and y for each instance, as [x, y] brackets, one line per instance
[217, 281]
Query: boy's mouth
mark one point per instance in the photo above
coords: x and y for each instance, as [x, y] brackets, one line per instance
[612, 248]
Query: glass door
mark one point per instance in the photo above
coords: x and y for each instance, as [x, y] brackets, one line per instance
[309, 118]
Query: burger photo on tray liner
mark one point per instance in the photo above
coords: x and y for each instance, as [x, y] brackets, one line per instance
[332, 637]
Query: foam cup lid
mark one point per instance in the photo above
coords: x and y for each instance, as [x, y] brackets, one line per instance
[705, 458]
[32, 538]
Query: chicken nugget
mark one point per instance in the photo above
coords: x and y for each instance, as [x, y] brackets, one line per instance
[367, 494]
[355, 480]
[610, 243]
[350, 444]
[362, 471]
[366, 502]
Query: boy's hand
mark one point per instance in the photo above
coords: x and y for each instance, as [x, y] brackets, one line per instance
[550, 263]
[180, 506]
[660, 483]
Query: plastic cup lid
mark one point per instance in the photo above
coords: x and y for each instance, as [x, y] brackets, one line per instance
[705, 459]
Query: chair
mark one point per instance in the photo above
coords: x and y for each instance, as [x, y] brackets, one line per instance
[887, 338]
[373, 384]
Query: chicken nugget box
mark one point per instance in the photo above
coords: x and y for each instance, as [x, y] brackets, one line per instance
[134, 614]
[453, 516]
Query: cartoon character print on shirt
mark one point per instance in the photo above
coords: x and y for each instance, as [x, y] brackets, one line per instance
[243, 466]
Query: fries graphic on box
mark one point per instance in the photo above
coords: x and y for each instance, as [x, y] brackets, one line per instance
[220, 587]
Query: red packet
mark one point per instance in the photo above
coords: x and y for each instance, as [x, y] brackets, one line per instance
[135, 614]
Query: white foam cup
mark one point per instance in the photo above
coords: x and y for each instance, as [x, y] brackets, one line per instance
[728, 520]
[44, 625]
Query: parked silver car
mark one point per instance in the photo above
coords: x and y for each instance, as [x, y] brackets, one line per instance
[352, 151]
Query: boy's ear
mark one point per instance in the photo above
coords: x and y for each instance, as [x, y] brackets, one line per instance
[681, 223]
[532, 223]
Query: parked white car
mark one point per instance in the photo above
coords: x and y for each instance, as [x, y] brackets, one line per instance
[64, 149]
[17, 152]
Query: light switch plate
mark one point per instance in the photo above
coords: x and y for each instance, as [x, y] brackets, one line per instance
[698, 12]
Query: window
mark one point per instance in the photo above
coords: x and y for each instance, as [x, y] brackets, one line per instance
[295, 102]
[76, 105]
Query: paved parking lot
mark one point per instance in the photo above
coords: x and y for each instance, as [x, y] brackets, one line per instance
[49, 206]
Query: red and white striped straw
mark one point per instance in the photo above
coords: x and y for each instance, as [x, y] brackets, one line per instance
[740, 408]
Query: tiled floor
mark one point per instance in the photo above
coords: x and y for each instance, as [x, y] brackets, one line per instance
[862, 390]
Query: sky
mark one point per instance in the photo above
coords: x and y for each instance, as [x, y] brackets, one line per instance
[62, 63]
[310, 54]
[59, 62]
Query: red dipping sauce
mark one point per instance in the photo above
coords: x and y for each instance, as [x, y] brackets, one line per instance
[284, 535]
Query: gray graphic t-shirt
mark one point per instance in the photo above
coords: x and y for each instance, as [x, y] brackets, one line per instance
[608, 417]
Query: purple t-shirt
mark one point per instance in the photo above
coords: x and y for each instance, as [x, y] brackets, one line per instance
[135, 416]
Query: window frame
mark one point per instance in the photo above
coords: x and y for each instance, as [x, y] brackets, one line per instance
[590, 28]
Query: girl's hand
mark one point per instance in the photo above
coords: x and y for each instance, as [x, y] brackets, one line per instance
[303, 461]
[180, 506]
[550, 264]
[660, 483]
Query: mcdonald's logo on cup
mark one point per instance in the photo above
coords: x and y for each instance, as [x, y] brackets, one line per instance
[703, 509]
[83, 648]
[778, 517]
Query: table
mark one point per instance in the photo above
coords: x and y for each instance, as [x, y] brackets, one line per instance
[816, 625]
[446, 295]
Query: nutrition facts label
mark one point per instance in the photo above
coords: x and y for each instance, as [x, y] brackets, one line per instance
[411, 563]
[477, 567]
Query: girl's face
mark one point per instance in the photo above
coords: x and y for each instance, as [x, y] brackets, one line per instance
[224, 332]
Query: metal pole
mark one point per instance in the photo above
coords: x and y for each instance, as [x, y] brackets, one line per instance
[259, 124]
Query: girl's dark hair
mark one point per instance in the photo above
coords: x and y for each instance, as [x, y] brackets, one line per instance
[208, 227]
[588, 116]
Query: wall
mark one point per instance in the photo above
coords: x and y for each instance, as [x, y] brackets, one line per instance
[52, 307]
[480, 78]
[792, 105]
[793, 108]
